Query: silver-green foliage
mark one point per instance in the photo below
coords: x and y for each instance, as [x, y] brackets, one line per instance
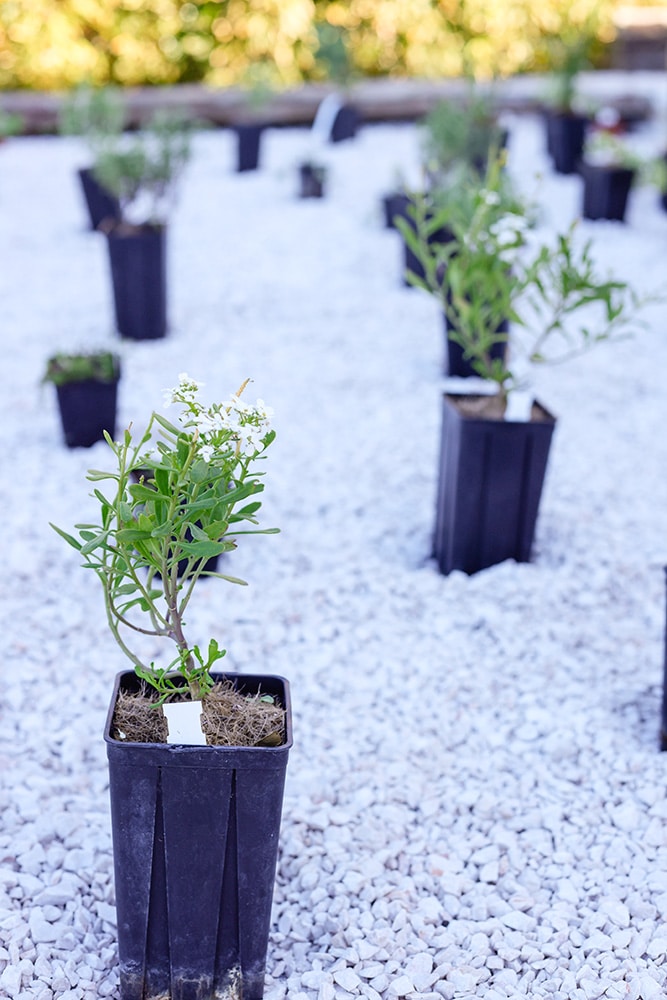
[142, 169]
[195, 495]
[492, 271]
[95, 113]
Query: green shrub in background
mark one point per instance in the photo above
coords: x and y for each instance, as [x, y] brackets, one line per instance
[55, 44]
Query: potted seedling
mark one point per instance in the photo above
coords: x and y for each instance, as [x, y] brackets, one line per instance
[86, 390]
[566, 125]
[609, 169]
[197, 757]
[495, 444]
[142, 171]
[96, 114]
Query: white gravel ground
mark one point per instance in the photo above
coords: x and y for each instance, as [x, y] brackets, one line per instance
[475, 804]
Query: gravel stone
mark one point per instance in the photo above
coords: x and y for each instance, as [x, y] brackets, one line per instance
[475, 799]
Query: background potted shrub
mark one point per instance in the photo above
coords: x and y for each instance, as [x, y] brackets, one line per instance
[445, 214]
[195, 802]
[495, 447]
[142, 171]
[86, 389]
[565, 125]
[97, 115]
[456, 134]
[459, 141]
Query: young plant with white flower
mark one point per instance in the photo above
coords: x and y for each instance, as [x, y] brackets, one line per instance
[493, 272]
[196, 478]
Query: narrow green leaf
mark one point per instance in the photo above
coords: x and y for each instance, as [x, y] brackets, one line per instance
[68, 538]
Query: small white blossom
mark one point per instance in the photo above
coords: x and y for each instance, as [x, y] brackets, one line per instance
[184, 392]
[490, 197]
[206, 451]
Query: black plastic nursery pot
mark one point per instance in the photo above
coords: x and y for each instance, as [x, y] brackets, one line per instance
[345, 124]
[566, 133]
[393, 205]
[138, 260]
[490, 485]
[101, 204]
[87, 409]
[311, 181]
[606, 191]
[248, 146]
[195, 839]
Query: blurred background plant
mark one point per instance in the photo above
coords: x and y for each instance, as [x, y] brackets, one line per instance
[57, 44]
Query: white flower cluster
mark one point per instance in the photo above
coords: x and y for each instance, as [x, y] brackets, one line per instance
[502, 238]
[216, 426]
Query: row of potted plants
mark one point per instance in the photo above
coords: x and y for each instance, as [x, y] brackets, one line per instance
[197, 757]
[128, 189]
[195, 799]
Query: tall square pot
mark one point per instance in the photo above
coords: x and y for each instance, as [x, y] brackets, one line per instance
[606, 191]
[566, 133]
[138, 259]
[87, 410]
[345, 124]
[490, 483]
[195, 837]
[249, 137]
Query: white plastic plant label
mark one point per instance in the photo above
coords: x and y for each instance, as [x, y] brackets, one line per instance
[519, 405]
[184, 722]
[325, 117]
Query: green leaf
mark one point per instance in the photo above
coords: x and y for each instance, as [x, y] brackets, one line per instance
[250, 508]
[199, 471]
[216, 530]
[139, 491]
[202, 550]
[125, 511]
[163, 530]
[68, 538]
[130, 536]
[163, 422]
[95, 475]
[94, 543]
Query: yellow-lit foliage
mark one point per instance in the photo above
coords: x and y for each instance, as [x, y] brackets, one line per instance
[52, 44]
